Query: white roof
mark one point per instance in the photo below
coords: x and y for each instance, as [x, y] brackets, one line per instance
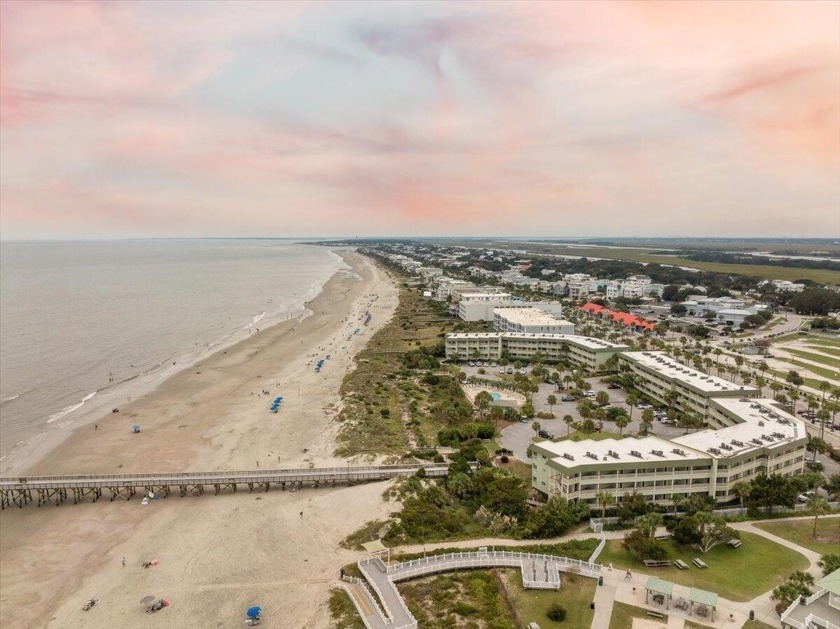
[628, 450]
[529, 316]
[573, 339]
[670, 368]
[761, 425]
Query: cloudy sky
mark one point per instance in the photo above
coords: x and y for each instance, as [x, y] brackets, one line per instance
[401, 118]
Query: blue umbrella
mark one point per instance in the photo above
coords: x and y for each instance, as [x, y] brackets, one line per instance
[135, 428]
[254, 612]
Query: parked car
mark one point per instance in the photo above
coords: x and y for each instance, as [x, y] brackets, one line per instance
[589, 394]
[814, 465]
[568, 398]
[613, 385]
[805, 497]
[545, 434]
[643, 406]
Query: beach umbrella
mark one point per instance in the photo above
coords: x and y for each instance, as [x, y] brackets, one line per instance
[147, 599]
[254, 611]
[135, 428]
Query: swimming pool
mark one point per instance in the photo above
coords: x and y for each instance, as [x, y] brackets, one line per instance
[496, 396]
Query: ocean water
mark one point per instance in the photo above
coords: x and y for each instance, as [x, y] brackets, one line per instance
[81, 319]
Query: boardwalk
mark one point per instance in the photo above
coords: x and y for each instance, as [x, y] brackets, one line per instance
[57, 489]
[538, 572]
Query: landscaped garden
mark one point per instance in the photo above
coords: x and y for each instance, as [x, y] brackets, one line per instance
[801, 532]
[738, 574]
[496, 598]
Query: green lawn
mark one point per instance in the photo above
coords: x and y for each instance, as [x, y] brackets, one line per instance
[575, 595]
[756, 624]
[623, 615]
[828, 374]
[801, 532]
[817, 358]
[819, 340]
[826, 349]
[738, 574]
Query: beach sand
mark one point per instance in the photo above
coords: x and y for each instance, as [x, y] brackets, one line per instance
[218, 554]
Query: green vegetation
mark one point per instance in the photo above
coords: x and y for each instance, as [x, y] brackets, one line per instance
[367, 533]
[623, 615]
[397, 399]
[826, 349]
[343, 611]
[828, 374]
[448, 600]
[578, 435]
[817, 358]
[738, 574]
[819, 340]
[822, 276]
[756, 624]
[574, 596]
[801, 532]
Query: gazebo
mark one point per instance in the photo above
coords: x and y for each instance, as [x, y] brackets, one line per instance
[376, 549]
[655, 585]
[702, 597]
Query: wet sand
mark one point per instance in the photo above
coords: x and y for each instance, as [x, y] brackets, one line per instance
[218, 554]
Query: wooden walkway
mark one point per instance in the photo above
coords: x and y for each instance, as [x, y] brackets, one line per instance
[57, 489]
[384, 607]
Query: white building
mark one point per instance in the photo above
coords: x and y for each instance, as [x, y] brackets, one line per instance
[749, 437]
[785, 285]
[661, 378]
[698, 305]
[590, 352]
[530, 320]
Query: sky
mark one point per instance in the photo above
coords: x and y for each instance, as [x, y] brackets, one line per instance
[319, 119]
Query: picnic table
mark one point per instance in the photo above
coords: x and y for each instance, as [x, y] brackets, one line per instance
[679, 563]
[699, 562]
[656, 563]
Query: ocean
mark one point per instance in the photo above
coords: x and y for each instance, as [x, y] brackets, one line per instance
[84, 319]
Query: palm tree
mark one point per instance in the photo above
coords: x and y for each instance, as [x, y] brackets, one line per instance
[622, 421]
[817, 505]
[552, 400]
[568, 420]
[793, 395]
[776, 388]
[647, 420]
[604, 499]
[632, 400]
[742, 490]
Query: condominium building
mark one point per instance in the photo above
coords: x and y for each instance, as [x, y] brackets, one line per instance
[590, 352]
[688, 390]
[821, 610]
[754, 436]
[530, 320]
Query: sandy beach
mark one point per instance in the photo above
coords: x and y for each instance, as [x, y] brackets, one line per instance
[218, 554]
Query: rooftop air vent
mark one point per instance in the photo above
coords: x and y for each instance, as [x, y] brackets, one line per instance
[636, 453]
[714, 450]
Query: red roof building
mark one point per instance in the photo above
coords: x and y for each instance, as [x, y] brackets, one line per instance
[624, 318]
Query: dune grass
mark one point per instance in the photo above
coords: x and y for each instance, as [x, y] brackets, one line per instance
[825, 349]
[738, 574]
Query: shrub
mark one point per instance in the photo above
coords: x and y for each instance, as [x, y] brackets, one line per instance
[504, 458]
[557, 613]
[385, 412]
[462, 609]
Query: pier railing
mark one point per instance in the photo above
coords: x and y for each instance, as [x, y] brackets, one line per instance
[19, 490]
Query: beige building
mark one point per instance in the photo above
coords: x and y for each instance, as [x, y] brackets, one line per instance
[530, 320]
[657, 374]
[750, 436]
[589, 352]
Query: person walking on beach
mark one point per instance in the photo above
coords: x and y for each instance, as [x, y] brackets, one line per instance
[628, 576]
[301, 514]
[123, 562]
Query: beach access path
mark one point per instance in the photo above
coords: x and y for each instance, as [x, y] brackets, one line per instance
[217, 556]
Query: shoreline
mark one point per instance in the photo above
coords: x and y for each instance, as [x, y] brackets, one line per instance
[218, 554]
[34, 450]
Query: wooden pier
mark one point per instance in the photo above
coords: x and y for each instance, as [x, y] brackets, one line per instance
[58, 489]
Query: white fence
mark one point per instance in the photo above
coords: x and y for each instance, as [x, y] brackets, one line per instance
[595, 553]
[355, 602]
[485, 559]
